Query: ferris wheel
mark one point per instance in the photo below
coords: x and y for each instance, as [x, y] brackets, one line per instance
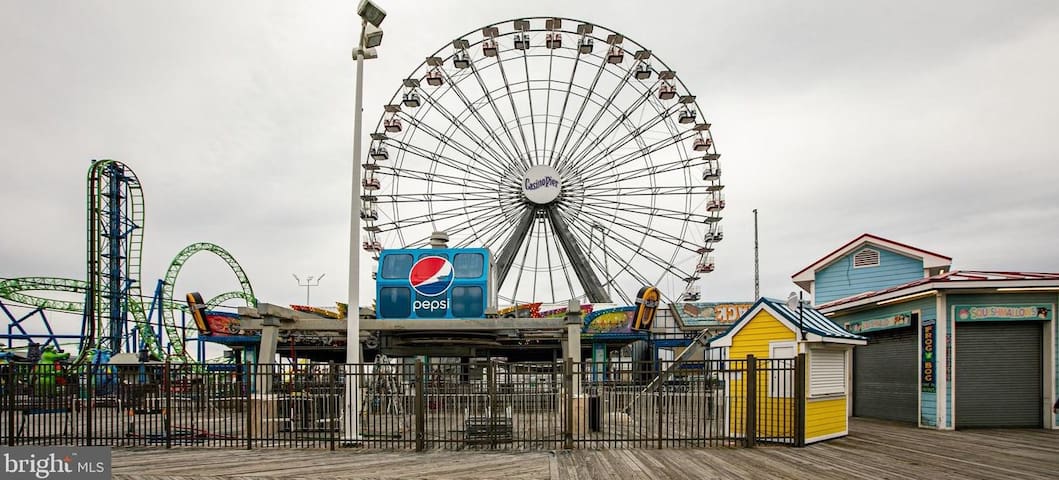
[572, 152]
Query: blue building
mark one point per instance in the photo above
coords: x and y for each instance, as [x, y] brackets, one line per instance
[946, 349]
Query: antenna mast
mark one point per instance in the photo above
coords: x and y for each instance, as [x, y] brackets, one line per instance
[757, 275]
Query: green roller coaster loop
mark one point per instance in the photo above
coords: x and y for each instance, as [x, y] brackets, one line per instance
[246, 292]
[115, 244]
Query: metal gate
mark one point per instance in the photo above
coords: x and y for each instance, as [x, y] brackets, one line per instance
[885, 379]
[998, 375]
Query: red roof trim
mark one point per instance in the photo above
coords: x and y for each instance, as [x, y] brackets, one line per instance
[957, 276]
[858, 239]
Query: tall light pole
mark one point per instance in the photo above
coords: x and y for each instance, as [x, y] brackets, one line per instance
[310, 282]
[370, 37]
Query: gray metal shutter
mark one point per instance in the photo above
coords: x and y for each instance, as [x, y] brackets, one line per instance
[998, 375]
[885, 380]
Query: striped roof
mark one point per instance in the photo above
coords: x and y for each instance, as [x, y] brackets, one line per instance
[812, 320]
[955, 278]
[817, 327]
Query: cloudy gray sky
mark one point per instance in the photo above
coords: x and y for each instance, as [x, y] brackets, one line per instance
[930, 123]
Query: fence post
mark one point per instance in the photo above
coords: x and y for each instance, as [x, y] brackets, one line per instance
[331, 414]
[167, 413]
[420, 406]
[568, 387]
[244, 381]
[799, 400]
[10, 383]
[658, 403]
[751, 400]
[90, 402]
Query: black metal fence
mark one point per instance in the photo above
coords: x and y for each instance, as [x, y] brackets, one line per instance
[410, 406]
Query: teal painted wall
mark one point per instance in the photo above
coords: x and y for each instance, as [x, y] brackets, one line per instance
[840, 279]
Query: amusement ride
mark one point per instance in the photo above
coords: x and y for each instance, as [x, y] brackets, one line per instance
[571, 151]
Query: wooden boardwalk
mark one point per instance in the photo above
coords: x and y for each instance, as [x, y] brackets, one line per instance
[874, 450]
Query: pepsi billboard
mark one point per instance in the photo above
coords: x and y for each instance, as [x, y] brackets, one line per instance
[432, 283]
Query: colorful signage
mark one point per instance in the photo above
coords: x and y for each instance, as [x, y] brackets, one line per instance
[1002, 313]
[610, 320]
[432, 283]
[709, 314]
[898, 320]
[928, 363]
[647, 300]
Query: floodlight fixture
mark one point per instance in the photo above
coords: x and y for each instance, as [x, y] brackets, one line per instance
[372, 36]
[371, 13]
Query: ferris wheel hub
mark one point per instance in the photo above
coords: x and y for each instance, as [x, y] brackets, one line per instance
[541, 184]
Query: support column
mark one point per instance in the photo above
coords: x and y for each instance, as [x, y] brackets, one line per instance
[943, 373]
[573, 341]
[266, 354]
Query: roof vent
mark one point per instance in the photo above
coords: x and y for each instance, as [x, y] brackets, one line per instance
[866, 258]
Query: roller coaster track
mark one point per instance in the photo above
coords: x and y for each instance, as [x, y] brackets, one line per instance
[115, 245]
[246, 292]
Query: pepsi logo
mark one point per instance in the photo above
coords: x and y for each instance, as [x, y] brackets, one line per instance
[431, 276]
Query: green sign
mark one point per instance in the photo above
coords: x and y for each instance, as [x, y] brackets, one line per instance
[1002, 313]
[896, 320]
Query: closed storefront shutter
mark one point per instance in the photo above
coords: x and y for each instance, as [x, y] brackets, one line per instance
[998, 374]
[885, 380]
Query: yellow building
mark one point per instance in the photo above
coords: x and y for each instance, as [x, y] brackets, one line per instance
[771, 337]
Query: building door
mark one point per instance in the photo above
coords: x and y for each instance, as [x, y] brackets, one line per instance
[998, 374]
[885, 379]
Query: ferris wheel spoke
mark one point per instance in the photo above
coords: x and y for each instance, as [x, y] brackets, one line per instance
[636, 174]
[514, 109]
[652, 211]
[621, 192]
[514, 243]
[434, 177]
[638, 251]
[585, 275]
[643, 151]
[624, 264]
[448, 141]
[581, 110]
[487, 229]
[496, 111]
[443, 160]
[587, 162]
[473, 109]
[533, 124]
[599, 114]
[576, 156]
[496, 157]
[554, 159]
[436, 215]
[644, 230]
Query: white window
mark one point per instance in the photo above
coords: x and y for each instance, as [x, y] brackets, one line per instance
[827, 372]
[866, 258]
[781, 369]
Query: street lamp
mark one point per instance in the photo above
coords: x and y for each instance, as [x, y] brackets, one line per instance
[309, 283]
[371, 16]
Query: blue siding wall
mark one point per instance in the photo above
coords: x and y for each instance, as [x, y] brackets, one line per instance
[840, 279]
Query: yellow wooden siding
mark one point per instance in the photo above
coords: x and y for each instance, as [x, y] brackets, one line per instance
[825, 417]
[774, 415]
[755, 336]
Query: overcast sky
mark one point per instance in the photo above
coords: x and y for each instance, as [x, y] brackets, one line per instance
[930, 123]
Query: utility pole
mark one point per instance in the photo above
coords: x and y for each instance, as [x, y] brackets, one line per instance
[757, 273]
[310, 282]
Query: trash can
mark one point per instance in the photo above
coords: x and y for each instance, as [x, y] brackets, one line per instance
[595, 412]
